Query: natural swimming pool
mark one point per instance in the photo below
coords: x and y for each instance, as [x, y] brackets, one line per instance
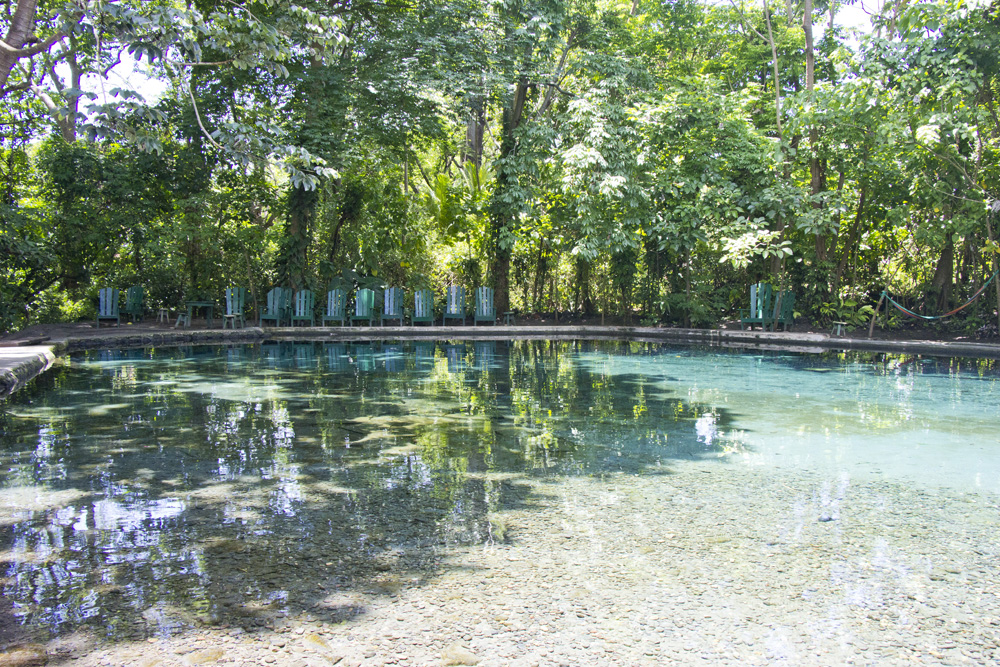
[151, 493]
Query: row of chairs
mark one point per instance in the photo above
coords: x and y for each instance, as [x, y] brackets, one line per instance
[292, 307]
[286, 305]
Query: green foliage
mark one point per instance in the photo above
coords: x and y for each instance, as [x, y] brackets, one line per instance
[847, 310]
[574, 154]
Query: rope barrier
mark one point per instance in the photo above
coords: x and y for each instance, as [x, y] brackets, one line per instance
[906, 311]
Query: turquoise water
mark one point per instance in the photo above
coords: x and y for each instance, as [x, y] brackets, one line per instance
[145, 491]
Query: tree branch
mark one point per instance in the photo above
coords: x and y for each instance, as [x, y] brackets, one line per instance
[197, 115]
[44, 45]
[117, 61]
[14, 89]
[181, 63]
[560, 75]
[777, 80]
[743, 20]
[965, 174]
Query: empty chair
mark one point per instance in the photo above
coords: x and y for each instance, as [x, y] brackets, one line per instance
[304, 308]
[454, 308]
[364, 306]
[784, 310]
[236, 298]
[107, 306]
[393, 306]
[423, 307]
[335, 307]
[768, 308]
[485, 312]
[760, 306]
[278, 305]
[133, 303]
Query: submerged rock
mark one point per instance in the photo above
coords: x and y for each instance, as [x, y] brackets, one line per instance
[204, 656]
[456, 654]
[32, 655]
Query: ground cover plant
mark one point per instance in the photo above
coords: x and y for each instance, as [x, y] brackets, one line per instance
[636, 159]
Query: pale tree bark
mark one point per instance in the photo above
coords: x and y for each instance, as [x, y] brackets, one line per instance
[20, 42]
[67, 122]
[22, 28]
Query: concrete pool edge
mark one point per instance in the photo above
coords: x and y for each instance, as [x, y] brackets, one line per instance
[19, 364]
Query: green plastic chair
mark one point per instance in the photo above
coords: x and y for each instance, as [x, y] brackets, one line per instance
[785, 307]
[392, 306]
[304, 308]
[236, 298]
[454, 308]
[364, 307]
[133, 303]
[107, 306]
[335, 307]
[760, 306]
[423, 307]
[278, 305]
[485, 312]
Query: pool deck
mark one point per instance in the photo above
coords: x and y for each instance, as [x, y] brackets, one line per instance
[23, 355]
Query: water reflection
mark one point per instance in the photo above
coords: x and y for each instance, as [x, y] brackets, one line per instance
[149, 491]
[155, 490]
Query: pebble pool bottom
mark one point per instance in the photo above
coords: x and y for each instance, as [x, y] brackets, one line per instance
[146, 492]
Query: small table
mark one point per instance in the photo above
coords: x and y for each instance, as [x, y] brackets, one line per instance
[838, 329]
[508, 317]
[207, 305]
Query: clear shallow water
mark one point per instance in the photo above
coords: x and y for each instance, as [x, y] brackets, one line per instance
[142, 492]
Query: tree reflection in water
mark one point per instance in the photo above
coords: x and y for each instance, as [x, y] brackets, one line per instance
[145, 491]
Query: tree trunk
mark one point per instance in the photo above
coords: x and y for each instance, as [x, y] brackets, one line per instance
[831, 248]
[540, 271]
[501, 227]
[817, 172]
[850, 243]
[940, 291]
[996, 262]
[582, 298]
[22, 27]
[475, 130]
[687, 288]
[777, 80]
[293, 258]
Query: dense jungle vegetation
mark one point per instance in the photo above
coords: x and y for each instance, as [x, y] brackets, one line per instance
[646, 159]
